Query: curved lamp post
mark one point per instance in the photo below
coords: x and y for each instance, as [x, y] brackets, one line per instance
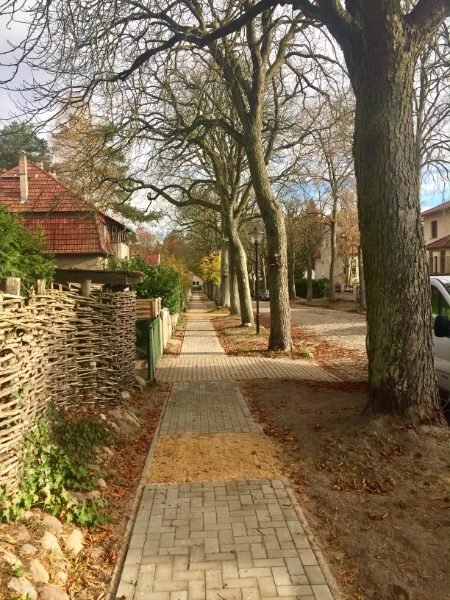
[256, 236]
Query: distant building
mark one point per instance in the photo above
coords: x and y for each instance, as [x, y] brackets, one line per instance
[79, 235]
[197, 282]
[152, 259]
[346, 264]
[436, 229]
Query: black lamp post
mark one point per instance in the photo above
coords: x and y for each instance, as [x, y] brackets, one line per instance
[256, 236]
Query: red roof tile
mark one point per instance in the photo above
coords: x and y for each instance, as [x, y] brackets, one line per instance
[151, 259]
[69, 223]
[442, 243]
[437, 209]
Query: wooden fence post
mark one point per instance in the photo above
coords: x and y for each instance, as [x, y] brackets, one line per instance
[11, 285]
[86, 287]
[41, 287]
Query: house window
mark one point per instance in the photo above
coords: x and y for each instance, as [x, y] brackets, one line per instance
[105, 232]
[435, 264]
[434, 230]
[194, 283]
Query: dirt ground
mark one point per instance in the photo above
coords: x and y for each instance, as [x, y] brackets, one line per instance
[216, 457]
[88, 575]
[375, 492]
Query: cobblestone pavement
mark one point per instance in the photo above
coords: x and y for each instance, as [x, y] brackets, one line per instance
[236, 367]
[231, 540]
[200, 339]
[238, 540]
[208, 407]
[341, 328]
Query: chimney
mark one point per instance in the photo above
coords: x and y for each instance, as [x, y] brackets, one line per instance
[23, 174]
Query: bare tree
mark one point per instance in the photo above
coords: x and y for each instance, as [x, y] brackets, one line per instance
[107, 42]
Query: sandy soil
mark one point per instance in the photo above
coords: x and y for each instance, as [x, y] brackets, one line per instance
[376, 492]
[216, 457]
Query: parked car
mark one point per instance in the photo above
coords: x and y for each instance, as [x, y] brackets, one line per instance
[264, 295]
[440, 304]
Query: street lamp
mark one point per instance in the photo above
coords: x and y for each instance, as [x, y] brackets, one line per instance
[256, 236]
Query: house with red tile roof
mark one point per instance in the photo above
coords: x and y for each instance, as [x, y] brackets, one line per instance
[152, 259]
[436, 229]
[78, 234]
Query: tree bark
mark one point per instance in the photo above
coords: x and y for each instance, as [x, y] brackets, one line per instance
[224, 273]
[280, 317]
[234, 292]
[401, 369]
[309, 287]
[291, 271]
[240, 267]
[362, 283]
[333, 252]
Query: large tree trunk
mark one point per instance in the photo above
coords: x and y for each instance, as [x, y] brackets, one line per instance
[333, 253]
[291, 271]
[401, 370]
[362, 283]
[309, 287]
[235, 308]
[280, 316]
[224, 273]
[240, 266]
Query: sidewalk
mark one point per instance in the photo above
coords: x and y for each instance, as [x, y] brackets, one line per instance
[219, 540]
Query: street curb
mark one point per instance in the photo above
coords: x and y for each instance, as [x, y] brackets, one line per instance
[329, 578]
[115, 577]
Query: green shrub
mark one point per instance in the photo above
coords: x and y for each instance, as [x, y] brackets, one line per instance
[20, 252]
[161, 281]
[320, 287]
[55, 457]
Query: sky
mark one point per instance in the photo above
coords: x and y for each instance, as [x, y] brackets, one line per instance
[431, 194]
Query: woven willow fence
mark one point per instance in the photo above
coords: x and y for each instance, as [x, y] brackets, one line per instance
[63, 347]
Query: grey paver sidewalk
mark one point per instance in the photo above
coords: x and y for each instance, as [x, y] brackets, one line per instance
[221, 540]
[208, 407]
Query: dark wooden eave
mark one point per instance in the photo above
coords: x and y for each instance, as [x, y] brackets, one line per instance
[104, 277]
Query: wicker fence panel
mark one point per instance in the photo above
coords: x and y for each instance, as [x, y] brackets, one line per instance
[63, 347]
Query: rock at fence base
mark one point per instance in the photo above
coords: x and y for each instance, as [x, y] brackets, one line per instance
[10, 558]
[74, 543]
[53, 524]
[94, 494]
[38, 572]
[140, 381]
[125, 395]
[124, 427]
[29, 549]
[114, 425]
[123, 415]
[97, 552]
[22, 534]
[23, 587]
[49, 542]
[100, 482]
[28, 515]
[247, 325]
[116, 413]
[53, 592]
[61, 576]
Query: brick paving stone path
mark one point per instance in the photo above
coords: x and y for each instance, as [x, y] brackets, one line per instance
[239, 540]
[212, 407]
[227, 540]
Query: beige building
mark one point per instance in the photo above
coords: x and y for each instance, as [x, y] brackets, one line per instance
[436, 227]
[346, 266]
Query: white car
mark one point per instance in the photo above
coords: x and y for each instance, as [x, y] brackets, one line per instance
[440, 303]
